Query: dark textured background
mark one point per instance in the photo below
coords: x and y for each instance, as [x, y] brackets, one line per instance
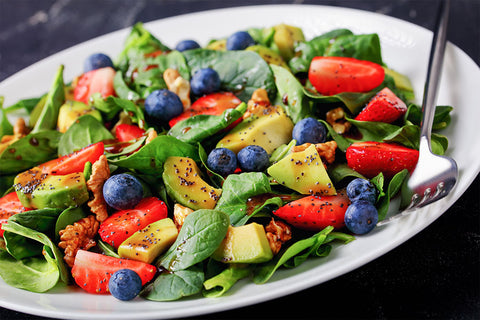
[434, 275]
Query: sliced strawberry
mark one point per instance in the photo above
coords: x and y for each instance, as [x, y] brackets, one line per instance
[314, 213]
[370, 158]
[333, 75]
[211, 104]
[10, 205]
[122, 224]
[126, 132]
[385, 106]
[92, 271]
[74, 162]
[98, 80]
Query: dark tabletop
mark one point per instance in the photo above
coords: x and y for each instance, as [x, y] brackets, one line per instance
[434, 275]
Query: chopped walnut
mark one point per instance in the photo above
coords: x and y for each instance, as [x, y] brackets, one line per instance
[259, 100]
[20, 130]
[177, 84]
[80, 235]
[325, 150]
[152, 134]
[336, 118]
[277, 234]
[100, 173]
[179, 214]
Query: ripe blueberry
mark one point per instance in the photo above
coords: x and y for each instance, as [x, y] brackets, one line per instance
[361, 217]
[125, 284]
[205, 81]
[222, 161]
[122, 191]
[187, 45]
[163, 105]
[97, 61]
[361, 189]
[240, 40]
[253, 158]
[309, 130]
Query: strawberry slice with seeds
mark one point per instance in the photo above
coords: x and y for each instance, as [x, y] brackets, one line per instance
[385, 106]
[314, 213]
[98, 80]
[9, 205]
[92, 271]
[369, 158]
[122, 224]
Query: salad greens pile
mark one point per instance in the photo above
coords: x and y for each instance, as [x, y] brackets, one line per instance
[30, 258]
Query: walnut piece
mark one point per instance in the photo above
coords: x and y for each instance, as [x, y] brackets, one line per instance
[20, 130]
[80, 235]
[177, 84]
[259, 100]
[100, 173]
[179, 214]
[277, 234]
[325, 150]
[152, 134]
[336, 118]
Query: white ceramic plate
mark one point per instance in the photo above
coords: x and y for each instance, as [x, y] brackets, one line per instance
[405, 48]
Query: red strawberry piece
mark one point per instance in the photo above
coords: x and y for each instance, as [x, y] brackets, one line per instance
[74, 162]
[370, 158]
[126, 132]
[211, 104]
[98, 80]
[92, 271]
[10, 205]
[385, 106]
[314, 213]
[122, 224]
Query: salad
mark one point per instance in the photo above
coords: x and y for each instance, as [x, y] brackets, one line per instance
[174, 172]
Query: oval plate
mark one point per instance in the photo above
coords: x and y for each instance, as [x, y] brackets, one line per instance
[399, 39]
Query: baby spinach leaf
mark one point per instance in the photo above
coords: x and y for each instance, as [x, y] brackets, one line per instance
[110, 106]
[29, 151]
[151, 157]
[85, 131]
[290, 94]
[32, 274]
[236, 191]
[362, 47]
[68, 217]
[197, 128]
[393, 188]
[201, 234]
[122, 89]
[441, 119]
[241, 72]
[41, 220]
[342, 142]
[169, 286]
[55, 98]
[222, 282]
[340, 171]
[6, 127]
[299, 251]
[27, 104]
[107, 249]
[307, 50]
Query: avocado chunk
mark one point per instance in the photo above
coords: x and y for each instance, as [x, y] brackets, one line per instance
[269, 55]
[71, 111]
[41, 190]
[244, 244]
[303, 172]
[184, 184]
[148, 243]
[219, 45]
[268, 128]
[285, 39]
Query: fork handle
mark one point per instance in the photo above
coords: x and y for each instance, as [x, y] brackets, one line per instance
[434, 70]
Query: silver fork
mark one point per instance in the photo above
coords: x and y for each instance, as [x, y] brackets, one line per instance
[434, 176]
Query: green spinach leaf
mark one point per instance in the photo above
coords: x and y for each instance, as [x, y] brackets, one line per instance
[6, 127]
[222, 282]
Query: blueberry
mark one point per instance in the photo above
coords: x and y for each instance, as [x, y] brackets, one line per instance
[361, 217]
[205, 81]
[187, 45]
[125, 284]
[253, 158]
[222, 161]
[309, 130]
[122, 191]
[97, 61]
[361, 189]
[240, 40]
[163, 105]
